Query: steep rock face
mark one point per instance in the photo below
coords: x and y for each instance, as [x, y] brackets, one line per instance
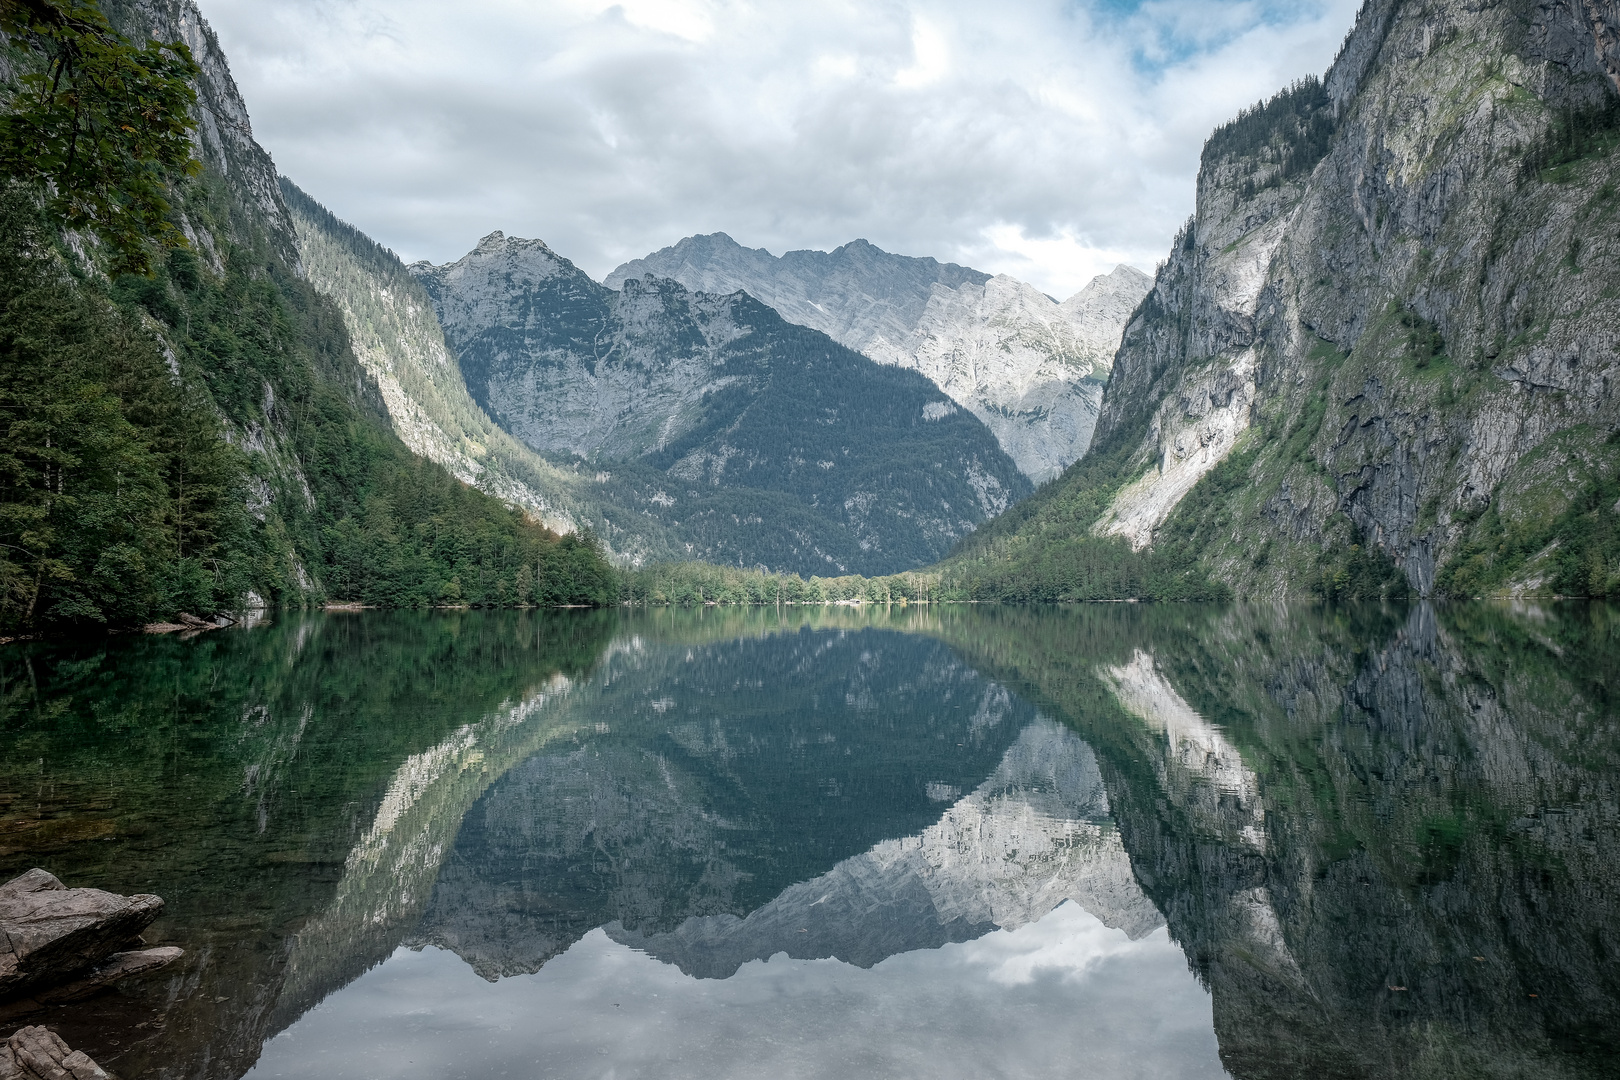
[1394, 312]
[854, 295]
[1030, 368]
[397, 338]
[760, 441]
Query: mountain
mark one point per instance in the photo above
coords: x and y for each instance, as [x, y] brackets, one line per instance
[1381, 357]
[755, 440]
[396, 337]
[1030, 368]
[203, 438]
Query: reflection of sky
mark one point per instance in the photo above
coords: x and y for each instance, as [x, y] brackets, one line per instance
[1064, 996]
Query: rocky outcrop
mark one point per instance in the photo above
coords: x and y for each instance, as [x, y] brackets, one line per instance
[1394, 313]
[51, 934]
[36, 1053]
[752, 439]
[1030, 368]
[397, 338]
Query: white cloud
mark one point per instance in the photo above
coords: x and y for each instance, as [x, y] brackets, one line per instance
[1043, 139]
[931, 57]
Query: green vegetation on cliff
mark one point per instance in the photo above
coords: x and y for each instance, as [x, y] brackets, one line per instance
[178, 441]
[1378, 361]
[97, 124]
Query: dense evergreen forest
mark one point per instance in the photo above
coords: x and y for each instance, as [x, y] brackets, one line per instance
[199, 436]
[1279, 139]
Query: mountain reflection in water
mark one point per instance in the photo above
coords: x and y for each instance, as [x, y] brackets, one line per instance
[1097, 841]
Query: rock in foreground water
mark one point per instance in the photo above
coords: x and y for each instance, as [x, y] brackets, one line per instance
[35, 1053]
[52, 934]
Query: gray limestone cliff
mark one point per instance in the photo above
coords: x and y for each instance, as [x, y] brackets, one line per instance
[1030, 368]
[754, 440]
[1390, 330]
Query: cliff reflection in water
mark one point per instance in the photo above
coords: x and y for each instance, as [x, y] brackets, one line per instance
[1385, 840]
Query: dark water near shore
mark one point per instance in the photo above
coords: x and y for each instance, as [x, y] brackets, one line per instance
[1107, 841]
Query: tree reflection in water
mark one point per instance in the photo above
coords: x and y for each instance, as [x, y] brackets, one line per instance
[1384, 838]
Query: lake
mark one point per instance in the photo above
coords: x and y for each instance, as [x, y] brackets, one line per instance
[1094, 841]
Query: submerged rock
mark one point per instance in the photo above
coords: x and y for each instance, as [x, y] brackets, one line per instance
[36, 1053]
[51, 934]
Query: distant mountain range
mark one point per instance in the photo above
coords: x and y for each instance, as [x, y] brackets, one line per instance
[1030, 368]
[752, 439]
[819, 413]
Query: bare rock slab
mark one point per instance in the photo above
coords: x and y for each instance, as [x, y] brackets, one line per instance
[50, 933]
[36, 1053]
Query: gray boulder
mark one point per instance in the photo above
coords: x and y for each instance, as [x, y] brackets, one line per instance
[35, 1053]
[52, 934]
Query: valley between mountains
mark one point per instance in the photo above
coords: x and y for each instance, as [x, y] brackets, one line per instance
[1381, 358]
[862, 419]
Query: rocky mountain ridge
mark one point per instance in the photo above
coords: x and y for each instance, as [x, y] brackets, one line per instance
[397, 338]
[755, 440]
[1383, 353]
[1030, 368]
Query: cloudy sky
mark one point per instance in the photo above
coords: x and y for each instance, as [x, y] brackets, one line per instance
[1048, 139]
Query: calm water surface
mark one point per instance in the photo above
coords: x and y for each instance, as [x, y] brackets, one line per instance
[1102, 841]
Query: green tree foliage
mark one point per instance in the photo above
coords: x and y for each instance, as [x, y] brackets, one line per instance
[99, 125]
[171, 440]
[344, 499]
[1361, 571]
[123, 498]
[119, 499]
[696, 583]
[1280, 139]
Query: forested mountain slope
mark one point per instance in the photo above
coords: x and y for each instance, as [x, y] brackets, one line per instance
[203, 437]
[754, 440]
[1382, 355]
[397, 338]
[1030, 368]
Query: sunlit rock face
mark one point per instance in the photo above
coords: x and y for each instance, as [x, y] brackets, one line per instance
[1031, 368]
[1394, 311]
[396, 336]
[1035, 834]
[755, 440]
